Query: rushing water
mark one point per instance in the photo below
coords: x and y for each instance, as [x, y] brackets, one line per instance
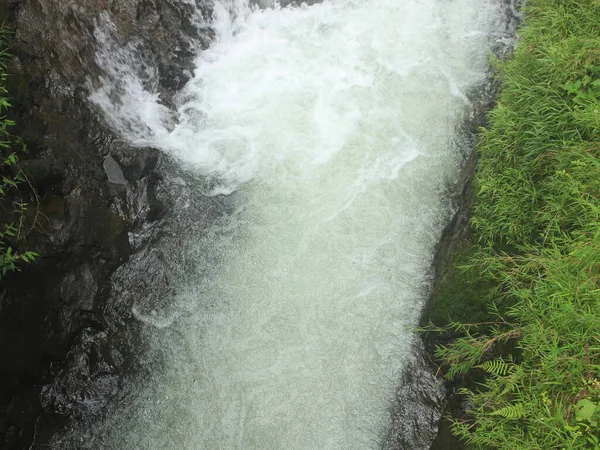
[335, 128]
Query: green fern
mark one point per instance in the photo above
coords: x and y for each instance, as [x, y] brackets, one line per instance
[511, 412]
[511, 381]
[497, 367]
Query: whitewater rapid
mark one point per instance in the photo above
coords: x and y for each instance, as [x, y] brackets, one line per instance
[335, 130]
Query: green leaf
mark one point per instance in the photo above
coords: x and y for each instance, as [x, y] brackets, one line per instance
[497, 367]
[585, 409]
[572, 87]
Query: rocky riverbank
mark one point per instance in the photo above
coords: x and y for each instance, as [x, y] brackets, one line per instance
[62, 347]
[425, 397]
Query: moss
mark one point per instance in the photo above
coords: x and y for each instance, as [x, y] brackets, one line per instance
[3, 13]
[461, 294]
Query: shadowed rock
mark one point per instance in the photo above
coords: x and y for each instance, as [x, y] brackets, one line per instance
[62, 344]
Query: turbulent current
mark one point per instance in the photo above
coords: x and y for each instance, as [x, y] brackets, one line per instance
[333, 131]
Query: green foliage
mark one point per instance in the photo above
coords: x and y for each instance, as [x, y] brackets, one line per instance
[9, 179]
[510, 412]
[497, 367]
[537, 227]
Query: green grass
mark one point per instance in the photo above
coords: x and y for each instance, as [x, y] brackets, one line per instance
[537, 230]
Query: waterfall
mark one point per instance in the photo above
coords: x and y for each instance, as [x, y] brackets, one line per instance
[334, 132]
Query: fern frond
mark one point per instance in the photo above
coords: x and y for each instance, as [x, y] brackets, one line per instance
[497, 367]
[513, 380]
[511, 412]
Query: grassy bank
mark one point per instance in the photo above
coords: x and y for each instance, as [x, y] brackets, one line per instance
[536, 256]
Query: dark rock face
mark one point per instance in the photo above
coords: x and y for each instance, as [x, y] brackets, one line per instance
[62, 344]
[63, 35]
[419, 405]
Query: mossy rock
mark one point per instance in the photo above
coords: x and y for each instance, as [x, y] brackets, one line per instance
[461, 294]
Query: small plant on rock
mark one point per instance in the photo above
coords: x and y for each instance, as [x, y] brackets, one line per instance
[10, 179]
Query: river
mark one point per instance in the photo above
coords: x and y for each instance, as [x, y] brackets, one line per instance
[333, 131]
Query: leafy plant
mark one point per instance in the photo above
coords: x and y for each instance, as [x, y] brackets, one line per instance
[497, 367]
[10, 181]
[511, 412]
[584, 91]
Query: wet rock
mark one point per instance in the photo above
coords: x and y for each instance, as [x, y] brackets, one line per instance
[38, 172]
[65, 34]
[53, 207]
[79, 288]
[60, 334]
[113, 171]
[139, 163]
[420, 401]
[88, 378]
